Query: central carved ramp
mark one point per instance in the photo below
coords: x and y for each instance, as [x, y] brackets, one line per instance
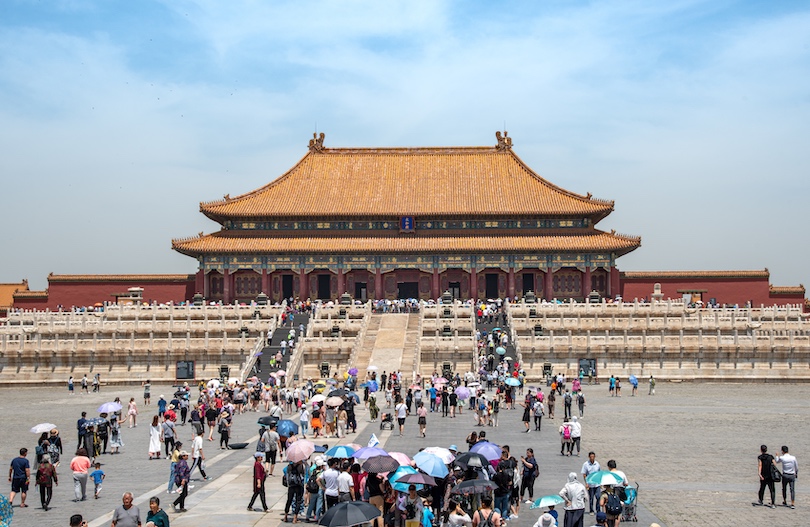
[389, 346]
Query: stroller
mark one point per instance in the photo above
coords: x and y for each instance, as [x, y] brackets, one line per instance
[629, 504]
[387, 421]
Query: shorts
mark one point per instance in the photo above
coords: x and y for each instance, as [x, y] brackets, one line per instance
[271, 456]
[19, 485]
[147, 395]
[401, 421]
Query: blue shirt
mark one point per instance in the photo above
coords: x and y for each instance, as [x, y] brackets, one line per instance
[98, 476]
[18, 466]
[161, 405]
[432, 391]
[427, 517]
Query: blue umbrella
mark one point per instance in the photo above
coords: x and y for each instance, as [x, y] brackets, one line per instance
[373, 386]
[500, 350]
[633, 380]
[286, 428]
[511, 381]
[431, 464]
[400, 472]
[341, 451]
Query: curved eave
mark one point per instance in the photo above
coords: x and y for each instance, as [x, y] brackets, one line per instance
[226, 243]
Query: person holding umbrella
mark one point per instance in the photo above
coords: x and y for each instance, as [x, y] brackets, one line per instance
[294, 478]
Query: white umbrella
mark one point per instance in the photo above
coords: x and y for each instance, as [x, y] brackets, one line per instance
[42, 427]
[372, 368]
[508, 358]
[318, 398]
[442, 453]
[213, 383]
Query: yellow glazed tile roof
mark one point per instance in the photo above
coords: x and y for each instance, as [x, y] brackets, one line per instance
[787, 290]
[230, 242]
[423, 182]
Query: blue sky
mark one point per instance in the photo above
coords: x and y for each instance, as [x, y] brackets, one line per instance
[117, 119]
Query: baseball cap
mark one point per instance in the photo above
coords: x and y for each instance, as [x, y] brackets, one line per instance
[601, 517]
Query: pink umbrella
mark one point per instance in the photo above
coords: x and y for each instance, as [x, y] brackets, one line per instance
[354, 446]
[281, 373]
[440, 380]
[300, 450]
[402, 458]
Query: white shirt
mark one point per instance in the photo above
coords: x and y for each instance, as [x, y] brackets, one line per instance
[621, 475]
[330, 481]
[345, 482]
[789, 464]
[196, 447]
[401, 410]
[589, 468]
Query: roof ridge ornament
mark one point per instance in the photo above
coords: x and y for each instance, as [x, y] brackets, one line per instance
[316, 143]
[504, 141]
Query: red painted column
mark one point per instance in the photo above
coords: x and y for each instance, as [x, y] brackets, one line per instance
[199, 282]
[303, 284]
[436, 292]
[614, 282]
[206, 285]
[548, 290]
[341, 283]
[226, 293]
[473, 283]
[586, 282]
[510, 283]
[378, 285]
[265, 282]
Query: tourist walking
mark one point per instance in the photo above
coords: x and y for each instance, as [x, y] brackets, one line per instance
[765, 464]
[652, 386]
[581, 404]
[527, 411]
[156, 515]
[589, 467]
[576, 433]
[167, 435]
[551, 399]
[80, 464]
[19, 474]
[198, 457]
[154, 439]
[126, 514]
[116, 441]
[295, 489]
[567, 402]
[46, 479]
[574, 495]
[224, 430]
[182, 474]
[402, 412]
[272, 444]
[259, 476]
[565, 439]
[790, 471]
[421, 415]
[132, 413]
[175, 458]
[98, 479]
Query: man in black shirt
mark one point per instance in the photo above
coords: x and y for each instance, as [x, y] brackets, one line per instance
[765, 464]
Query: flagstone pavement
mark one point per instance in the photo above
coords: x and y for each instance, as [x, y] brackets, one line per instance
[691, 448]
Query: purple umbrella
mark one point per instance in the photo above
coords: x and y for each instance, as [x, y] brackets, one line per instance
[491, 451]
[369, 451]
[463, 392]
[352, 371]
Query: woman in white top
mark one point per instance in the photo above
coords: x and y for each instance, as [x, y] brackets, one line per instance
[456, 517]
[303, 419]
[154, 439]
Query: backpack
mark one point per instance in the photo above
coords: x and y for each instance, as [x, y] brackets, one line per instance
[613, 506]
[566, 432]
[486, 522]
[312, 484]
[293, 478]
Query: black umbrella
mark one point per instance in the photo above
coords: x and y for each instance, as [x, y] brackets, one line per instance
[340, 392]
[378, 464]
[474, 486]
[94, 421]
[471, 459]
[267, 420]
[349, 513]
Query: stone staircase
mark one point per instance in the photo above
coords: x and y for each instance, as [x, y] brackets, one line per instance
[363, 358]
[410, 356]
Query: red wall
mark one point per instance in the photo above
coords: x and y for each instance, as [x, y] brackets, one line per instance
[89, 292]
[725, 290]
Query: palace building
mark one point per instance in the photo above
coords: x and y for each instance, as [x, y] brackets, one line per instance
[408, 223]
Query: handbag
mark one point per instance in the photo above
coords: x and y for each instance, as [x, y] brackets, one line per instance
[775, 474]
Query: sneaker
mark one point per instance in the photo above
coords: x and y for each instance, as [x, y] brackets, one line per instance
[772, 506]
[792, 506]
[528, 502]
[513, 517]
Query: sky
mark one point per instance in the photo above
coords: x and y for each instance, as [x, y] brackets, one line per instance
[118, 118]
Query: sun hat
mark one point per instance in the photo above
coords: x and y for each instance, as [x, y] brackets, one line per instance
[453, 448]
[183, 453]
[258, 454]
[546, 520]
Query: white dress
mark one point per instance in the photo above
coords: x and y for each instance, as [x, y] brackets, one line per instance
[154, 439]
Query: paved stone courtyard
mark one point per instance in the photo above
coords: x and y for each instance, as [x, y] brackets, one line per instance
[692, 448]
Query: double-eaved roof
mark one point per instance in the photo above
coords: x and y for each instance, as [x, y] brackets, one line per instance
[425, 184]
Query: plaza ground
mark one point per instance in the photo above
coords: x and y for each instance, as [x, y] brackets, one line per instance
[692, 449]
